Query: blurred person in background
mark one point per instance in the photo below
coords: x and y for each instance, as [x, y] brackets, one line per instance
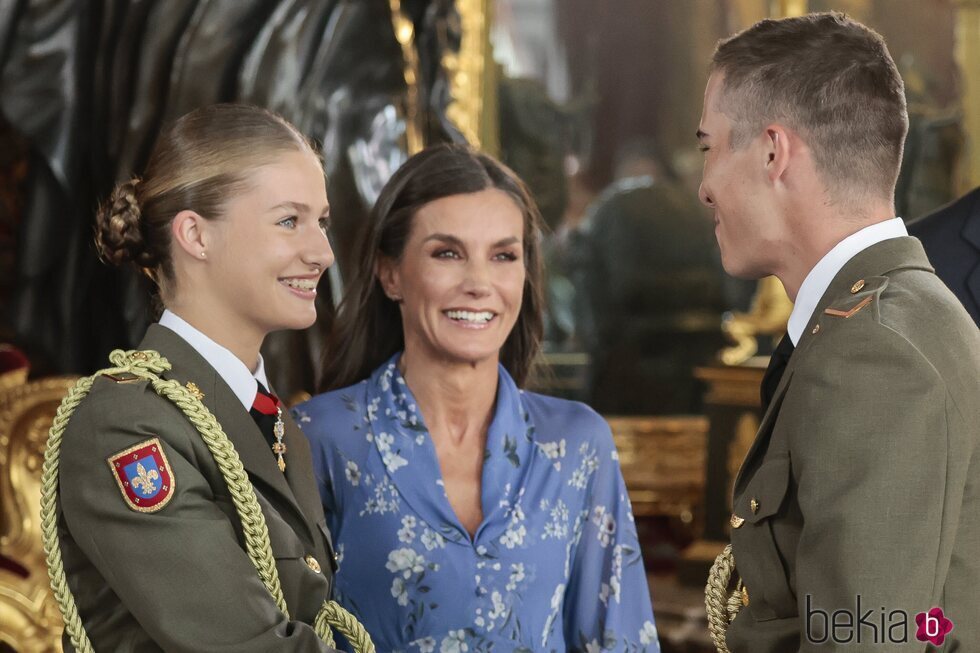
[649, 277]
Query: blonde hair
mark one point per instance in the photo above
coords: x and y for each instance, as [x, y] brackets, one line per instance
[197, 164]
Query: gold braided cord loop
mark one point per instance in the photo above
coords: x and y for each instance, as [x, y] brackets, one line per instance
[332, 614]
[148, 365]
[721, 605]
[49, 526]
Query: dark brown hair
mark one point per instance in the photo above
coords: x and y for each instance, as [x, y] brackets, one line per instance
[198, 163]
[828, 77]
[368, 328]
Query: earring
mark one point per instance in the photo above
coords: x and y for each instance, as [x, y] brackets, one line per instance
[203, 255]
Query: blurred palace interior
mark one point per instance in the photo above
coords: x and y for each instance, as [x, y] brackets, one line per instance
[593, 103]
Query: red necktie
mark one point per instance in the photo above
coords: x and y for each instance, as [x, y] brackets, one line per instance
[266, 412]
[265, 402]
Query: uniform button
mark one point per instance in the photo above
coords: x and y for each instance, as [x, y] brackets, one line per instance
[754, 505]
[745, 596]
[858, 285]
[816, 329]
[313, 564]
[737, 521]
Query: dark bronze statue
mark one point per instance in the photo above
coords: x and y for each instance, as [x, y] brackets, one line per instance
[89, 85]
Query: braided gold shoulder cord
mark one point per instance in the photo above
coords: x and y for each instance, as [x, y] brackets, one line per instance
[148, 365]
[720, 604]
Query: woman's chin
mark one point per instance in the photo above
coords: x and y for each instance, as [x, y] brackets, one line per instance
[296, 322]
[470, 356]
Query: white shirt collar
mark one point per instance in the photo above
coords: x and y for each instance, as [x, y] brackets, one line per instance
[228, 366]
[819, 278]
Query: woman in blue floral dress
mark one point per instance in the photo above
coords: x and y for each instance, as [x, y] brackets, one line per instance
[468, 515]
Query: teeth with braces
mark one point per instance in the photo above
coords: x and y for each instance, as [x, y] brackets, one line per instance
[300, 284]
[481, 317]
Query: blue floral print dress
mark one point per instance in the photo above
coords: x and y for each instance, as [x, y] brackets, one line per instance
[554, 566]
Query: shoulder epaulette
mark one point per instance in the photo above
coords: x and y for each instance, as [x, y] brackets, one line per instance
[122, 377]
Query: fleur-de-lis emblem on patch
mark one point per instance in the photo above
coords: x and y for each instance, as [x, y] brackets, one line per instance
[144, 479]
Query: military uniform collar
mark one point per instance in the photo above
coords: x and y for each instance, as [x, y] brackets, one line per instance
[879, 260]
[827, 268]
[228, 366]
[868, 265]
[188, 366]
[846, 294]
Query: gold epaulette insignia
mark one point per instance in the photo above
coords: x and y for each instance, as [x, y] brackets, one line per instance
[122, 377]
[848, 313]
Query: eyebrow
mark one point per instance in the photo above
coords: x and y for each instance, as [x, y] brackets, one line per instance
[299, 207]
[447, 238]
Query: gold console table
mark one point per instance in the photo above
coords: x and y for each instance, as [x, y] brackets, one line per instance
[734, 410]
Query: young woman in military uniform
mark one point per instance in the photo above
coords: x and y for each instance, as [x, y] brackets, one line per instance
[230, 222]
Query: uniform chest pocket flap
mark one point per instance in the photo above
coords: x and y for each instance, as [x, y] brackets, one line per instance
[757, 556]
[764, 494]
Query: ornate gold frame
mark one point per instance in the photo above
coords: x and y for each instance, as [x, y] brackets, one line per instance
[405, 34]
[471, 71]
[473, 77]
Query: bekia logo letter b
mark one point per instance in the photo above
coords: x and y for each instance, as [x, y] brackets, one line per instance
[933, 626]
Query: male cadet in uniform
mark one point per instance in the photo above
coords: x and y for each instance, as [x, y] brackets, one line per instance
[858, 504]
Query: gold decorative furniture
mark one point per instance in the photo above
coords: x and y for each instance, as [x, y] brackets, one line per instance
[767, 316]
[29, 618]
[734, 407]
[663, 462]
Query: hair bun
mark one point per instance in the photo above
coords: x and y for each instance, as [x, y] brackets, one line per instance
[118, 233]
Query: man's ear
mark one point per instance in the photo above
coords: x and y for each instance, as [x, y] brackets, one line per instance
[189, 230]
[778, 150]
[386, 270]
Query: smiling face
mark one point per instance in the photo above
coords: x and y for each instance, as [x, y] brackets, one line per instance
[460, 279]
[269, 249]
[734, 186]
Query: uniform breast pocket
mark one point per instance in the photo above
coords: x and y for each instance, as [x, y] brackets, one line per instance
[764, 571]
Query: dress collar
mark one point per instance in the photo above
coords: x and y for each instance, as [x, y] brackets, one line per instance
[409, 458]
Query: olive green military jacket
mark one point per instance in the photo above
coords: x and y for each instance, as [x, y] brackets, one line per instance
[861, 492]
[179, 579]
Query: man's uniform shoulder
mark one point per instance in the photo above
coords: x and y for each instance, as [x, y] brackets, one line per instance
[911, 303]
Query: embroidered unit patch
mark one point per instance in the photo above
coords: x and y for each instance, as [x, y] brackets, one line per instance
[144, 476]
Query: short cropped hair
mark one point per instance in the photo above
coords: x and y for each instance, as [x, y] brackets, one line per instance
[829, 78]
